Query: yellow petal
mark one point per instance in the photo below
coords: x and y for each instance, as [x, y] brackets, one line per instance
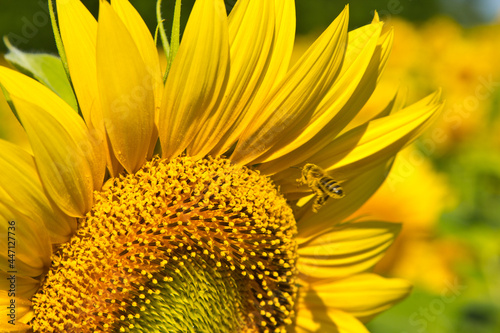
[27, 248]
[67, 158]
[25, 286]
[326, 320]
[364, 146]
[360, 50]
[146, 45]
[144, 41]
[19, 178]
[346, 249]
[126, 89]
[286, 110]
[140, 34]
[79, 34]
[197, 78]
[366, 115]
[363, 295]
[357, 190]
[277, 67]
[14, 321]
[343, 101]
[251, 36]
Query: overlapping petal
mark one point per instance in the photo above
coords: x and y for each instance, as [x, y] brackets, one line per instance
[197, 79]
[21, 183]
[69, 160]
[251, 37]
[366, 145]
[294, 100]
[126, 88]
[339, 106]
[360, 50]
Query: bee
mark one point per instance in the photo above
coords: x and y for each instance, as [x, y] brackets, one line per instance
[319, 181]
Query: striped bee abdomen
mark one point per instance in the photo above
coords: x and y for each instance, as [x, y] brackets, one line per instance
[331, 187]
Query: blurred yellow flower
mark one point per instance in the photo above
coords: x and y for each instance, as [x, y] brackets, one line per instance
[208, 236]
[462, 62]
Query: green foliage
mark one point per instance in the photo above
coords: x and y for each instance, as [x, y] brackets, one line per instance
[27, 22]
[45, 68]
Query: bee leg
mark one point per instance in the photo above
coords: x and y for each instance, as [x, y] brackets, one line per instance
[319, 201]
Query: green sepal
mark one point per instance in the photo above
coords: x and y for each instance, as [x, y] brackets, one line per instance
[176, 32]
[163, 36]
[45, 68]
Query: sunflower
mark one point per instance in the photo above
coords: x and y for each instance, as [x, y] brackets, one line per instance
[213, 233]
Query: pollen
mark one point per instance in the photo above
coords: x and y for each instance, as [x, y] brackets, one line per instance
[180, 246]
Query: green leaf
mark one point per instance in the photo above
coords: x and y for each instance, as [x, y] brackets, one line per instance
[45, 68]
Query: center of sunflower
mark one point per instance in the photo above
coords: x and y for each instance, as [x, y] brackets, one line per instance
[179, 246]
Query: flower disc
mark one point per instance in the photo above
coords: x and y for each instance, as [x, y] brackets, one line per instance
[179, 246]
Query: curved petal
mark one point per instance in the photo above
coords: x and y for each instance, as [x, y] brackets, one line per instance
[345, 250]
[19, 178]
[22, 309]
[251, 36]
[329, 320]
[68, 160]
[363, 295]
[286, 110]
[280, 55]
[26, 246]
[197, 78]
[126, 89]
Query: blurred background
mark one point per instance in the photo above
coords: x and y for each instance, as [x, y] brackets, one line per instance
[445, 187]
